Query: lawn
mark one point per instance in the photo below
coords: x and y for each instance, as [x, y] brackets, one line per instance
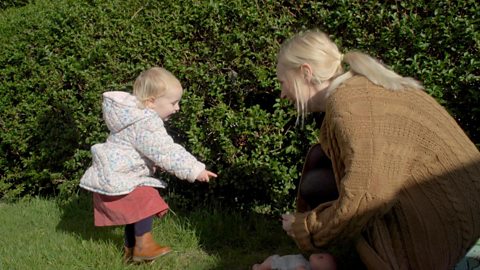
[44, 234]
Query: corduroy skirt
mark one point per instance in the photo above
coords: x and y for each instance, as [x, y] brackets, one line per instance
[139, 204]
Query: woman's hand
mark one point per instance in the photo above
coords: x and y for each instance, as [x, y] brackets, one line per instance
[287, 221]
[205, 175]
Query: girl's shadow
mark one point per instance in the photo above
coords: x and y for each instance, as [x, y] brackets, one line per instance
[77, 218]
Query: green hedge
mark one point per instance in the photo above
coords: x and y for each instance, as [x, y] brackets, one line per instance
[57, 57]
[4, 4]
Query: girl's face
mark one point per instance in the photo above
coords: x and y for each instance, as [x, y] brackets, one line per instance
[167, 104]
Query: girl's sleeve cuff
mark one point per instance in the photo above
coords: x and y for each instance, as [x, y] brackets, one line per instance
[196, 170]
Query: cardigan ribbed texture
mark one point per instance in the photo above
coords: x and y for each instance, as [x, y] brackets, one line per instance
[408, 179]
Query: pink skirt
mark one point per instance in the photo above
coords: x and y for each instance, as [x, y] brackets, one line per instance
[139, 204]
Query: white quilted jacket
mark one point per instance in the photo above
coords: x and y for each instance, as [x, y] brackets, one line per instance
[137, 141]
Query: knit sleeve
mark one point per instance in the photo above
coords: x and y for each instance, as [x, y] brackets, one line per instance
[153, 141]
[369, 169]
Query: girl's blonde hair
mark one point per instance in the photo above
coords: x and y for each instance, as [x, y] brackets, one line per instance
[151, 83]
[315, 48]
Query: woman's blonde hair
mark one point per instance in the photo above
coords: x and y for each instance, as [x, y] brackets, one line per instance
[315, 48]
[151, 83]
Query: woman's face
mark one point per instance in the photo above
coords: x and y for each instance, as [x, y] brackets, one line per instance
[287, 80]
[285, 85]
[298, 87]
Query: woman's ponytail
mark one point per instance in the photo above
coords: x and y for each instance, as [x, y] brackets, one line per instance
[379, 74]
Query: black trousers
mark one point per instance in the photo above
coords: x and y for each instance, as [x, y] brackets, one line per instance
[318, 180]
[137, 229]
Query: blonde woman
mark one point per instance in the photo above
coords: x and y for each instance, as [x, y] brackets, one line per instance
[407, 176]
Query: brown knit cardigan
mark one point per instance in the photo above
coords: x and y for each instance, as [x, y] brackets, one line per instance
[408, 179]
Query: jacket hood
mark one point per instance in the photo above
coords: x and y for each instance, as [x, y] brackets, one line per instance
[121, 109]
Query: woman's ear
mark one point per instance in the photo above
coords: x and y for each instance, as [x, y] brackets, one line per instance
[307, 72]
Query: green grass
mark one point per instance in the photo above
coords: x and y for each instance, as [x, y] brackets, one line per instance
[41, 234]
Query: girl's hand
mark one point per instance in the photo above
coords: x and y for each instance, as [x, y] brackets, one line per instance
[205, 175]
[287, 221]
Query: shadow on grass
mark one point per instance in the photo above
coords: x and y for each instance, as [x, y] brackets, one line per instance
[241, 239]
[238, 239]
[77, 219]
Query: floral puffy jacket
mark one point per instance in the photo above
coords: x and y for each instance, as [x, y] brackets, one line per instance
[138, 141]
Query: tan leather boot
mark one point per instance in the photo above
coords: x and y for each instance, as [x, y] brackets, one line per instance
[146, 249]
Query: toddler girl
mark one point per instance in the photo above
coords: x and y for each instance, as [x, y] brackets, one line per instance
[124, 191]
